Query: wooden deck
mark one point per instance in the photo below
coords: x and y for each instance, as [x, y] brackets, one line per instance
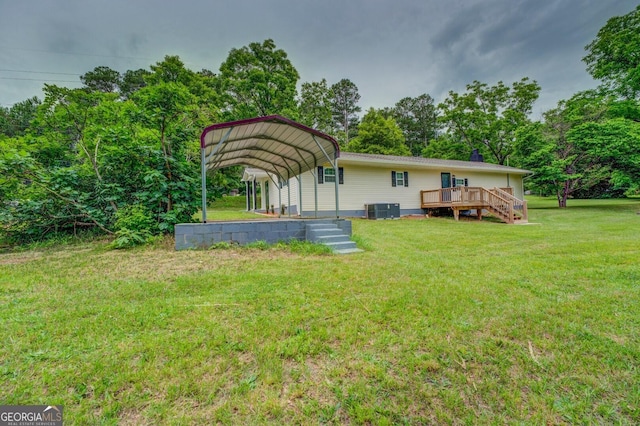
[499, 202]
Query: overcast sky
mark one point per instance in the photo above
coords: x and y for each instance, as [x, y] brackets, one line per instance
[389, 49]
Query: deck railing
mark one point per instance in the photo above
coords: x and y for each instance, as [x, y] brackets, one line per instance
[497, 201]
[457, 195]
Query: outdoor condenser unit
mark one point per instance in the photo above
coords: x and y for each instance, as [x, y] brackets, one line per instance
[383, 211]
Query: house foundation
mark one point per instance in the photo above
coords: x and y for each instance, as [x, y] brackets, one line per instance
[204, 235]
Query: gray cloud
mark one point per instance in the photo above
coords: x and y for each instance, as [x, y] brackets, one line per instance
[388, 49]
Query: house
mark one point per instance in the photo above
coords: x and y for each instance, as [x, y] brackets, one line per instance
[415, 184]
[301, 172]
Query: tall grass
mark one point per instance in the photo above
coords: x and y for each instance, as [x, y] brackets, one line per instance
[436, 322]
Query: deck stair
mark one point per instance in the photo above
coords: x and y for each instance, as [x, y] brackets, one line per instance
[497, 202]
[330, 235]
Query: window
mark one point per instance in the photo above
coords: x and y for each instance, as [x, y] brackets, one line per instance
[399, 178]
[328, 175]
[460, 182]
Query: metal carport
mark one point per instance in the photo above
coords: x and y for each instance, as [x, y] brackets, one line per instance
[279, 146]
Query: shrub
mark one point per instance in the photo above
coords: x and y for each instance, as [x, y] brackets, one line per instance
[134, 226]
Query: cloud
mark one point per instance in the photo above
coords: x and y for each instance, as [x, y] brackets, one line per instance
[388, 49]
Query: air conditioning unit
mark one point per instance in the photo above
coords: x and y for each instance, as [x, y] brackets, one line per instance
[383, 211]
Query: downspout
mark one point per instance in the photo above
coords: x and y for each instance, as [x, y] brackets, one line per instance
[523, 178]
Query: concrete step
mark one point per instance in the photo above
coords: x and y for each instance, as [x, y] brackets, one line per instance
[348, 251]
[331, 236]
[337, 238]
[341, 245]
[321, 225]
[314, 234]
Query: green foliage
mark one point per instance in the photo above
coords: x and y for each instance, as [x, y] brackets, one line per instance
[378, 135]
[580, 150]
[102, 79]
[222, 245]
[134, 225]
[16, 120]
[260, 245]
[447, 147]
[314, 106]
[90, 154]
[259, 80]
[487, 117]
[344, 108]
[418, 120]
[613, 55]
[221, 182]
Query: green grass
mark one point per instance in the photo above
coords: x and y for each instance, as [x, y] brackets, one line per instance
[228, 208]
[437, 322]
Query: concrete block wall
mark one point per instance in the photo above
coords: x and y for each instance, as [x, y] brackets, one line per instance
[204, 235]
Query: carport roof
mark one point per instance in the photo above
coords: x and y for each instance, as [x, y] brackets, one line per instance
[271, 143]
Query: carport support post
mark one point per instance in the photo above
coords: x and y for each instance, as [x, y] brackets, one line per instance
[314, 174]
[247, 195]
[204, 186]
[254, 194]
[299, 177]
[337, 179]
[289, 196]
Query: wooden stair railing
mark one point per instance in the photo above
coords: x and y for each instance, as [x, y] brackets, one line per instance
[499, 205]
[519, 206]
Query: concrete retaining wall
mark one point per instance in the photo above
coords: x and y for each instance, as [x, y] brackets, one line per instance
[204, 235]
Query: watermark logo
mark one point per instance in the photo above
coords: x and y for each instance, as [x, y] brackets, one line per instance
[30, 415]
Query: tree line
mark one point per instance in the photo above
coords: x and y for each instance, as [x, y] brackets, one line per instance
[121, 154]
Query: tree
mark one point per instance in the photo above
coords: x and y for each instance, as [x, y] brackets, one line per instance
[344, 107]
[102, 79]
[487, 117]
[259, 80]
[378, 135]
[91, 160]
[555, 150]
[418, 120]
[314, 105]
[614, 55]
[16, 120]
[446, 147]
[615, 143]
[132, 81]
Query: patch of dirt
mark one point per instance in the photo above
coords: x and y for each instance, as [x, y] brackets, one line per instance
[414, 216]
[19, 258]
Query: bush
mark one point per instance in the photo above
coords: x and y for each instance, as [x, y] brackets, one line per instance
[134, 226]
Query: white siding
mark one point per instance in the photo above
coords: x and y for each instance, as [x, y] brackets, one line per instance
[364, 184]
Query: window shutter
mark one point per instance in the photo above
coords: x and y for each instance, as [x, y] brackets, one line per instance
[406, 178]
[320, 174]
[466, 182]
[340, 175]
[393, 178]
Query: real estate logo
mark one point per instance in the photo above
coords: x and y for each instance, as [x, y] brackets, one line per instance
[30, 415]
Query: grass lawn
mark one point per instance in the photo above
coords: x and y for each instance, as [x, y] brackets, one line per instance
[436, 322]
